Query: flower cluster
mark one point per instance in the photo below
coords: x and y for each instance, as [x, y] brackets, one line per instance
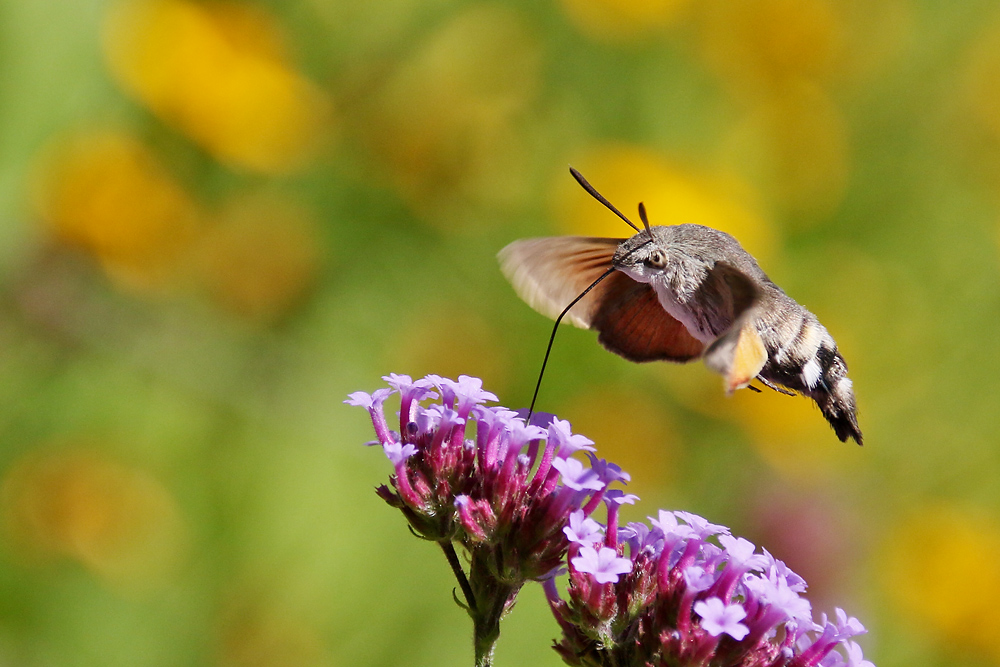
[689, 593]
[485, 478]
[512, 494]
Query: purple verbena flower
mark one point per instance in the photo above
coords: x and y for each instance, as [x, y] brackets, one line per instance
[682, 591]
[693, 595]
[483, 477]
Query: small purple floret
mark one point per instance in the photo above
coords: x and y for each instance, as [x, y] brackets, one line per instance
[398, 452]
[578, 477]
[717, 617]
[605, 565]
[582, 530]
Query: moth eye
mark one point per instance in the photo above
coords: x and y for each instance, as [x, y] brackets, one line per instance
[656, 260]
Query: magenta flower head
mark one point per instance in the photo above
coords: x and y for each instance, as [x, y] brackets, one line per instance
[689, 593]
[503, 489]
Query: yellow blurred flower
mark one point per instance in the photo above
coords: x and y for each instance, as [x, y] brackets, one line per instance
[759, 44]
[117, 520]
[447, 124]
[218, 72]
[795, 143]
[611, 20]
[260, 257]
[109, 195]
[627, 175]
[982, 81]
[940, 567]
[629, 428]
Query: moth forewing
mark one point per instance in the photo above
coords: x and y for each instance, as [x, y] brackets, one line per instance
[549, 272]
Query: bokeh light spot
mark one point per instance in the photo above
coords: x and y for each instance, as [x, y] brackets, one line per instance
[758, 44]
[791, 435]
[115, 519]
[106, 193]
[263, 634]
[614, 20]
[795, 144]
[939, 566]
[451, 341]
[447, 124]
[260, 257]
[218, 73]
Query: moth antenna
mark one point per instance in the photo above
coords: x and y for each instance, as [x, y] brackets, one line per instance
[599, 197]
[552, 338]
[642, 216]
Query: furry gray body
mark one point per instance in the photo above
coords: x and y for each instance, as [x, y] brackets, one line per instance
[801, 354]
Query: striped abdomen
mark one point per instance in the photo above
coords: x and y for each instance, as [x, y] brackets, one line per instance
[802, 356]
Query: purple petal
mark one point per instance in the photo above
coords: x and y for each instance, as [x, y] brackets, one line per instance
[398, 452]
[576, 476]
[619, 497]
[565, 441]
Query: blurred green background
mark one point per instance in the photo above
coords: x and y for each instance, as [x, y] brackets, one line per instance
[218, 219]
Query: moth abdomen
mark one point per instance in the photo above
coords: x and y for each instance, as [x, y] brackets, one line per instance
[834, 393]
[803, 357]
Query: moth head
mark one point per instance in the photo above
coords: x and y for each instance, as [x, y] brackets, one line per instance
[643, 256]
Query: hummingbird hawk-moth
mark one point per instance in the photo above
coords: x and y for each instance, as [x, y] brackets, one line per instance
[679, 293]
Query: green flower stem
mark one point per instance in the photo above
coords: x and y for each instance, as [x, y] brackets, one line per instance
[495, 598]
[487, 601]
[456, 568]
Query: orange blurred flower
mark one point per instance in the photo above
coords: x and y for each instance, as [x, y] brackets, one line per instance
[673, 195]
[982, 81]
[613, 20]
[787, 432]
[116, 520]
[261, 256]
[218, 72]
[107, 193]
[790, 434]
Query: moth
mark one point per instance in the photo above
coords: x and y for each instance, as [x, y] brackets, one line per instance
[680, 293]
